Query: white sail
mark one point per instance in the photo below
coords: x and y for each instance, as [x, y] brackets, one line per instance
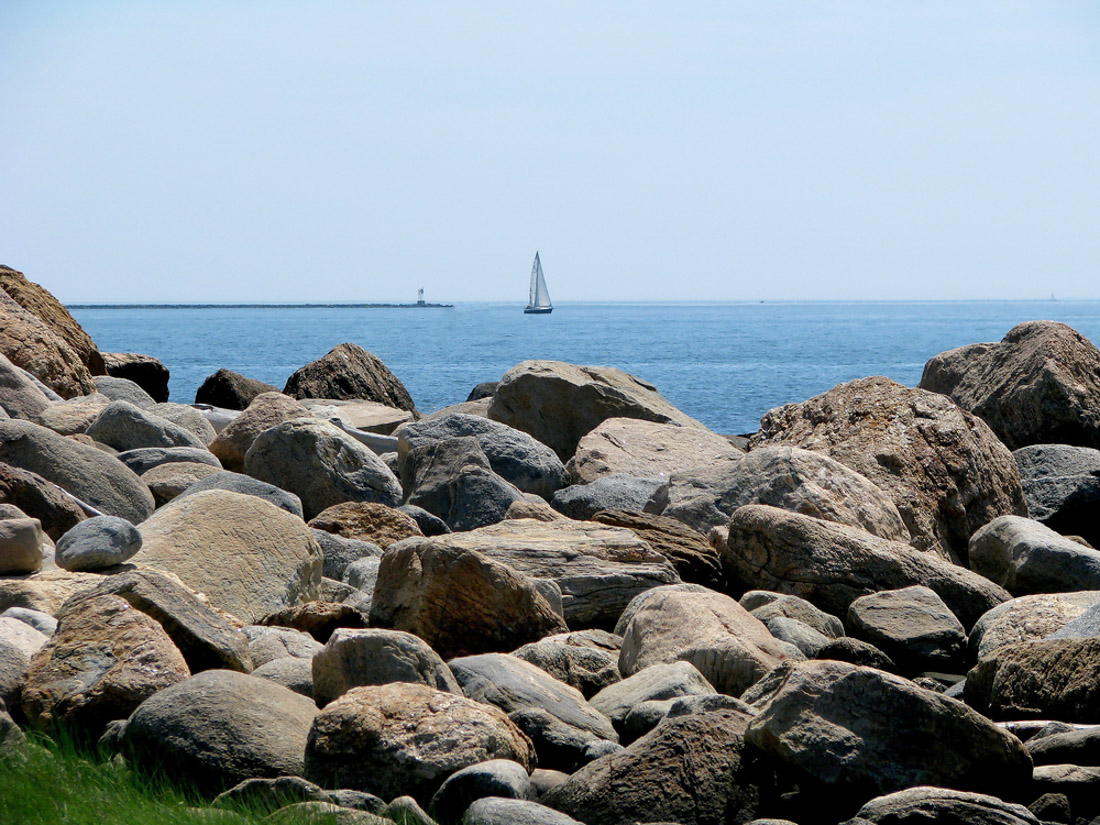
[540, 297]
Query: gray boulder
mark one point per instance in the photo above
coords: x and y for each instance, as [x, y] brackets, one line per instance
[766, 606]
[340, 552]
[348, 371]
[72, 416]
[144, 370]
[1023, 556]
[20, 395]
[585, 659]
[189, 418]
[1075, 746]
[42, 622]
[290, 672]
[267, 644]
[230, 390]
[266, 410]
[144, 459]
[656, 682]
[1062, 487]
[799, 634]
[124, 426]
[430, 525]
[916, 806]
[246, 485]
[613, 492]
[912, 626]
[501, 778]
[1026, 618]
[123, 389]
[98, 543]
[494, 810]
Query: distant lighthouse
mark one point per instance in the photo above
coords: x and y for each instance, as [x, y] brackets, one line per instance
[420, 297]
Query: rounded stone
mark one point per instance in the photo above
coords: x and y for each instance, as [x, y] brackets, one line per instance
[98, 543]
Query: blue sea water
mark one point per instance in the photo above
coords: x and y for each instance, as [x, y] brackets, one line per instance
[723, 363]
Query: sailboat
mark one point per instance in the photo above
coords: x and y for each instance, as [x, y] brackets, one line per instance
[539, 303]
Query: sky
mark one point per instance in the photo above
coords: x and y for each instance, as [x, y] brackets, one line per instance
[212, 152]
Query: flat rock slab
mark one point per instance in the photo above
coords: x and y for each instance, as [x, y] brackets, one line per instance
[368, 416]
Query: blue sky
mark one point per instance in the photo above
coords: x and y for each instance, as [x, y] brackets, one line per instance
[277, 151]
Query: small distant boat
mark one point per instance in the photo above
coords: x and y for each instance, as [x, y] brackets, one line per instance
[539, 303]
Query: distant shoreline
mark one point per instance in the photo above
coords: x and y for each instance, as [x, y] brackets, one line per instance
[260, 306]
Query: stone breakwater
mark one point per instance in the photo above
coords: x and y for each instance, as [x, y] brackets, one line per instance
[561, 600]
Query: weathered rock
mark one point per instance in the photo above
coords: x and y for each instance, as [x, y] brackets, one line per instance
[187, 417]
[320, 619]
[831, 565]
[219, 728]
[1027, 618]
[647, 449]
[322, 813]
[266, 410]
[1023, 556]
[429, 524]
[694, 770]
[912, 626]
[36, 619]
[353, 658]
[290, 672]
[20, 396]
[1082, 627]
[766, 605]
[1062, 487]
[271, 793]
[533, 507]
[12, 739]
[359, 414]
[615, 492]
[479, 407]
[87, 473]
[403, 738]
[30, 343]
[144, 459]
[924, 804]
[366, 521]
[320, 464]
[348, 371]
[1047, 679]
[123, 389]
[499, 778]
[268, 644]
[20, 546]
[144, 370]
[693, 557]
[246, 485]
[1077, 747]
[362, 574]
[458, 600]
[40, 499]
[45, 590]
[588, 660]
[248, 556]
[855, 733]
[799, 634]
[656, 682]
[598, 568]
[167, 481]
[339, 552]
[1039, 385]
[1052, 807]
[96, 543]
[230, 390]
[728, 645]
[126, 427]
[72, 416]
[495, 810]
[105, 659]
[1079, 784]
[943, 468]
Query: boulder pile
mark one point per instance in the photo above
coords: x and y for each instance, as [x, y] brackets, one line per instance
[564, 601]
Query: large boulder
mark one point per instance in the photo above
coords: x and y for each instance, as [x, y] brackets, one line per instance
[20, 394]
[853, 733]
[730, 647]
[219, 728]
[348, 371]
[266, 410]
[143, 459]
[40, 499]
[765, 606]
[72, 416]
[921, 805]
[245, 485]
[84, 471]
[632, 446]
[405, 739]
[1062, 487]
[167, 481]
[321, 465]
[1039, 385]
[126, 427]
[458, 600]
[186, 416]
[248, 556]
[912, 626]
[30, 343]
[144, 370]
[361, 415]
[230, 390]
[599, 569]
[1024, 556]
[123, 389]
[1026, 618]
[44, 591]
[787, 477]
[691, 554]
[512, 454]
[659, 682]
[832, 565]
[559, 403]
[615, 492]
[500, 778]
[943, 468]
[366, 521]
[586, 659]
[97, 543]
[105, 659]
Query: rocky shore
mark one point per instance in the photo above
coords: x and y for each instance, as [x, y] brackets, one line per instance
[561, 600]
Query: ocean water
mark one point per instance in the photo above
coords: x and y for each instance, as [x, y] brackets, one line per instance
[723, 363]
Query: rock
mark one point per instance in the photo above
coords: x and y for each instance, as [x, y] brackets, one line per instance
[1047, 679]
[1075, 746]
[353, 658]
[943, 468]
[366, 521]
[647, 449]
[1039, 385]
[588, 660]
[20, 396]
[1080, 785]
[270, 793]
[72, 416]
[856, 652]
[559, 403]
[15, 658]
[230, 390]
[290, 672]
[189, 418]
[40, 499]
[1086, 625]
[853, 733]
[403, 738]
[598, 568]
[42, 622]
[728, 645]
[167, 481]
[322, 813]
[347, 372]
[1052, 807]
[479, 407]
[496, 778]
[831, 565]
[365, 416]
[362, 574]
[1023, 556]
[485, 389]
[204, 637]
[339, 552]
[320, 619]
[12, 740]
[538, 509]
[912, 626]
[268, 644]
[45, 590]
[494, 810]
[20, 546]
[656, 682]
[693, 557]
[458, 600]
[97, 543]
[512, 454]
[693, 770]
[452, 479]
[248, 556]
[801, 635]
[615, 492]
[1062, 487]
[144, 459]
[219, 728]
[246, 485]
[766, 605]
[266, 410]
[104, 660]
[429, 525]
[1026, 618]
[319, 464]
[39, 302]
[32, 345]
[123, 389]
[87, 473]
[144, 370]
[944, 806]
[125, 427]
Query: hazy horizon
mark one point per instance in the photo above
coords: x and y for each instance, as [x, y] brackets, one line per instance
[338, 152]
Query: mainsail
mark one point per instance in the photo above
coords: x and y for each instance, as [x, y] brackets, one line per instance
[540, 297]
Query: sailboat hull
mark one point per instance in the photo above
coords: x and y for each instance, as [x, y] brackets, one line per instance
[538, 310]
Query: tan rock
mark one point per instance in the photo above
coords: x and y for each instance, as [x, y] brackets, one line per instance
[75, 415]
[45, 590]
[688, 550]
[369, 416]
[366, 521]
[266, 410]
[534, 508]
[348, 371]
[166, 481]
[30, 343]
